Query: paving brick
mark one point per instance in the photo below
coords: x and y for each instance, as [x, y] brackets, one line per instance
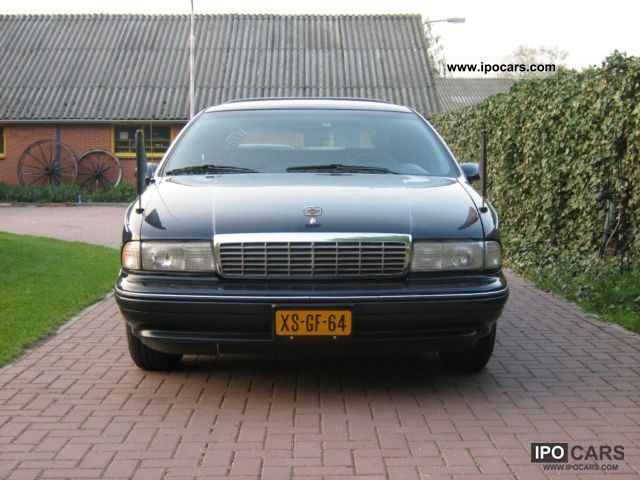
[307, 449]
[276, 473]
[24, 474]
[121, 468]
[246, 466]
[337, 457]
[7, 466]
[149, 474]
[96, 459]
[403, 473]
[370, 466]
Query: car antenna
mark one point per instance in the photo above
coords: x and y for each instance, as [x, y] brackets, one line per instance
[483, 170]
[141, 168]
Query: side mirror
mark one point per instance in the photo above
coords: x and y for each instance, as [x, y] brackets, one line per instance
[471, 171]
[141, 163]
[151, 171]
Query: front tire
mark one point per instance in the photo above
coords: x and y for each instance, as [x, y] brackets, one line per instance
[147, 358]
[473, 359]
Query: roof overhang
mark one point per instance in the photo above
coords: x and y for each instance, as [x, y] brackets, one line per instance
[92, 121]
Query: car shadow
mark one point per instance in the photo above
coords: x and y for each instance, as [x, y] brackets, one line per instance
[333, 373]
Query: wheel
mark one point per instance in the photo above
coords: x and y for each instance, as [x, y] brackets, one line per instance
[47, 162]
[473, 359]
[147, 358]
[98, 170]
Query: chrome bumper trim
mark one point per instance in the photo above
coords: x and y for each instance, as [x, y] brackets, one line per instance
[281, 298]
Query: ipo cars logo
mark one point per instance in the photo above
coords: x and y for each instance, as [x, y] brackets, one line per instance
[549, 452]
[562, 453]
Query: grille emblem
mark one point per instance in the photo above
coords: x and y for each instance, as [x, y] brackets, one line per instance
[312, 212]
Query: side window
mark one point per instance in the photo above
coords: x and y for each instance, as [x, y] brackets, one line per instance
[2, 146]
[157, 139]
[124, 139]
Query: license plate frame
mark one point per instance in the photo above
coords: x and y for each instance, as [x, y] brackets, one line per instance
[320, 323]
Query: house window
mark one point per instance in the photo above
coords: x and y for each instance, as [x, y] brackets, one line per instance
[1, 142]
[157, 139]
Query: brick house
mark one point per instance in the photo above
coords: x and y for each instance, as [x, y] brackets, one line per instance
[80, 137]
[90, 81]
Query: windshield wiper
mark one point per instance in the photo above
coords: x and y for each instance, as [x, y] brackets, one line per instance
[209, 168]
[338, 167]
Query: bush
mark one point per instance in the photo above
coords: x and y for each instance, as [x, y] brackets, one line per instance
[65, 194]
[553, 144]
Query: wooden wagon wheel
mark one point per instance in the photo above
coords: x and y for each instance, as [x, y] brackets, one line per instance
[98, 170]
[47, 162]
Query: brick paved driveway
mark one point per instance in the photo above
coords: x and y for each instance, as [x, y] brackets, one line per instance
[77, 407]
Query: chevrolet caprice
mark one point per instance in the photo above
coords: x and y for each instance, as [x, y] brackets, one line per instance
[295, 225]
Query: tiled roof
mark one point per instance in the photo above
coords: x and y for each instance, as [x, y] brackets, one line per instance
[457, 93]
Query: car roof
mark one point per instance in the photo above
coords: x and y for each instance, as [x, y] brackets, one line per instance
[309, 103]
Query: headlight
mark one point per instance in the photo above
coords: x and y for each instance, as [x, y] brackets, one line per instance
[168, 256]
[455, 256]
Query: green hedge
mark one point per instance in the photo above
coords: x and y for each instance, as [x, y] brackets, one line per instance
[553, 144]
[65, 194]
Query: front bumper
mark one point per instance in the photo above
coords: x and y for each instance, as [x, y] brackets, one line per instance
[201, 314]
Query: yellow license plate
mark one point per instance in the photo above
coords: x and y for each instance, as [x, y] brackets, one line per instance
[313, 323]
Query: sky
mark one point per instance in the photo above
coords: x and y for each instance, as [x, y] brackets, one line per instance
[588, 30]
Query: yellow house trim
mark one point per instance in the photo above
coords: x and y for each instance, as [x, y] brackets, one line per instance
[4, 141]
[140, 126]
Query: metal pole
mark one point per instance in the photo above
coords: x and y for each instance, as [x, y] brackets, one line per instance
[58, 163]
[448, 20]
[483, 169]
[191, 66]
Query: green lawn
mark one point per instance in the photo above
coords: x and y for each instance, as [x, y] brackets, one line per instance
[44, 282]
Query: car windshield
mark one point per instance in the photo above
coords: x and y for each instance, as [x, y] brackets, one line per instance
[325, 141]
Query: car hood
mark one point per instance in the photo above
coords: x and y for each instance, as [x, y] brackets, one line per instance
[198, 207]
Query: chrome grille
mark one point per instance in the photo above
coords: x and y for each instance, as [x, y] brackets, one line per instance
[338, 258]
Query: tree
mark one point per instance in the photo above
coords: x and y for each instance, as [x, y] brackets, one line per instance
[436, 52]
[542, 59]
